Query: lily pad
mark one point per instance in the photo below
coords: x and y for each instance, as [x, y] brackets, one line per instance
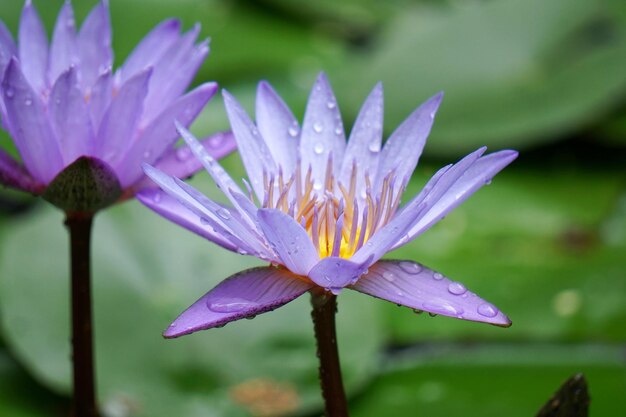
[147, 271]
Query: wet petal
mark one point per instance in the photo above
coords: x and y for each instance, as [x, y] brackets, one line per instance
[334, 273]
[33, 47]
[63, 50]
[254, 152]
[161, 133]
[415, 286]
[245, 294]
[404, 147]
[322, 132]
[172, 210]
[118, 124]
[29, 126]
[94, 44]
[365, 143]
[70, 119]
[278, 127]
[289, 240]
[100, 98]
[151, 48]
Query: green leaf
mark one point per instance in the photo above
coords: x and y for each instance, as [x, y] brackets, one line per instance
[146, 272]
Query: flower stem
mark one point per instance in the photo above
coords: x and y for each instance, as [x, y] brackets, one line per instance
[84, 401]
[323, 314]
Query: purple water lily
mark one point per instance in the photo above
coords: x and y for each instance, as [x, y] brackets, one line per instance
[329, 209]
[64, 101]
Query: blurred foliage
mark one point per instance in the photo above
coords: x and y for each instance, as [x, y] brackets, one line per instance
[545, 243]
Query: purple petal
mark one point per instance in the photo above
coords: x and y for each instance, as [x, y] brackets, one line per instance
[161, 133]
[63, 50]
[478, 174]
[322, 132]
[254, 152]
[365, 143]
[120, 121]
[13, 174]
[180, 162]
[415, 286]
[70, 117]
[151, 48]
[175, 70]
[7, 47]
[94, 44]
[33, 47]
[404, 147]
[29, 126]
[335, 273]
[245, 294]
[172, 210]
[100, 98]
[289, 240]
[278, 127]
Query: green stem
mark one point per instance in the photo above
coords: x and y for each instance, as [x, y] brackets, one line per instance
[84, 402]
[323, 314]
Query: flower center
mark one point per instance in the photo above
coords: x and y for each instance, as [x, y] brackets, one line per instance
[337, 220]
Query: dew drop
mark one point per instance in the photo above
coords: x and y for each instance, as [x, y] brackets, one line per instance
[241, 252]
[223, 213]
[318, 148]
[338, 130]
[230, 305]
[437, 276]
[9, 92]
[157, 197]
[456, 288]
[215, 141]
[331, 104]
[389, 276]
[28, 102]
[374, 147]
[317, 127]
[182, 154]
[432, 114]
[487, 310]
[416, 311]
[317, 185]
[204, 221]
[147, 154]
[410, 267]
[293, 130]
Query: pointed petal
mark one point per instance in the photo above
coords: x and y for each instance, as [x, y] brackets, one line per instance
[335, 273]
[181, 163]
[245, 294]
[13, 174]
[94, 44]
[404, 147]
[161, 133]
[175, 70]
[29, 126]
[151, 48]
[365, 143]
[172, 210]
[70, 117]
[7, 47]
[120, 121]
[254, 152]
[289, 240]
[478, 174]
[278, 127]
[322, 132]
[415, 286]
[100, 98]
[63, 49]
[33, 47]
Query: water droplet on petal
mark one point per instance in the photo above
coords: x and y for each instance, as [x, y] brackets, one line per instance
[317, 185]
[317, 127]
[331, 104]
[410, 267]
[147, 154]
[241, 252]
[338, 130]
[389, 276]
[182, 154]
[374, 147]
[456, 288]
[204, 221]
[28, 102]
[437, 276]
[157, 197]
[293, 130]
[487, 310]
[223, 213]
[432, 114]
[9, 93]
[230, 305]
[215, 141]
[318, 148]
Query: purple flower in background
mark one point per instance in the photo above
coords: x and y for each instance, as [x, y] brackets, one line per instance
[63, 102]
[330, 210]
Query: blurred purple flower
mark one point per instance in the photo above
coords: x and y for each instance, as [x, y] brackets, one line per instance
[63, 101]
[330, 209]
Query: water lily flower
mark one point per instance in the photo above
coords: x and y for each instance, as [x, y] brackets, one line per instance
[329, 210]
[62, 103]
